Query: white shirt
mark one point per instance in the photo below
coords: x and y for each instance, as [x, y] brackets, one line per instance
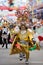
[4, 30]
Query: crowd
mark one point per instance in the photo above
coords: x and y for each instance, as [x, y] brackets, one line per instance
[7, 30]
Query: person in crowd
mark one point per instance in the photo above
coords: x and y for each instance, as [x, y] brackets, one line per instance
[8, 33]
[42, 15]
[34, 28]
[0, 35]
[5, 36]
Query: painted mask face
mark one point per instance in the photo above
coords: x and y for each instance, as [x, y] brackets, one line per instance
[23, 28]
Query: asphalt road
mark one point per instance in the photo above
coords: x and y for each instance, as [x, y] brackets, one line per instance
[36, 58]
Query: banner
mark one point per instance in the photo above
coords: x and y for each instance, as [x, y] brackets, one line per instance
[8, 8]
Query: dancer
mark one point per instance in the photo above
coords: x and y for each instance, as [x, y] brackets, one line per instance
[22, 42]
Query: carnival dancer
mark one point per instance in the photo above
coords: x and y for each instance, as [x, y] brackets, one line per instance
[22, 42]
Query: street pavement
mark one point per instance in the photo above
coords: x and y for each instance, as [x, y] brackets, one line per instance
[36, 57]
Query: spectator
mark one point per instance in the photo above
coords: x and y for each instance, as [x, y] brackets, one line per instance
[5, 37]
